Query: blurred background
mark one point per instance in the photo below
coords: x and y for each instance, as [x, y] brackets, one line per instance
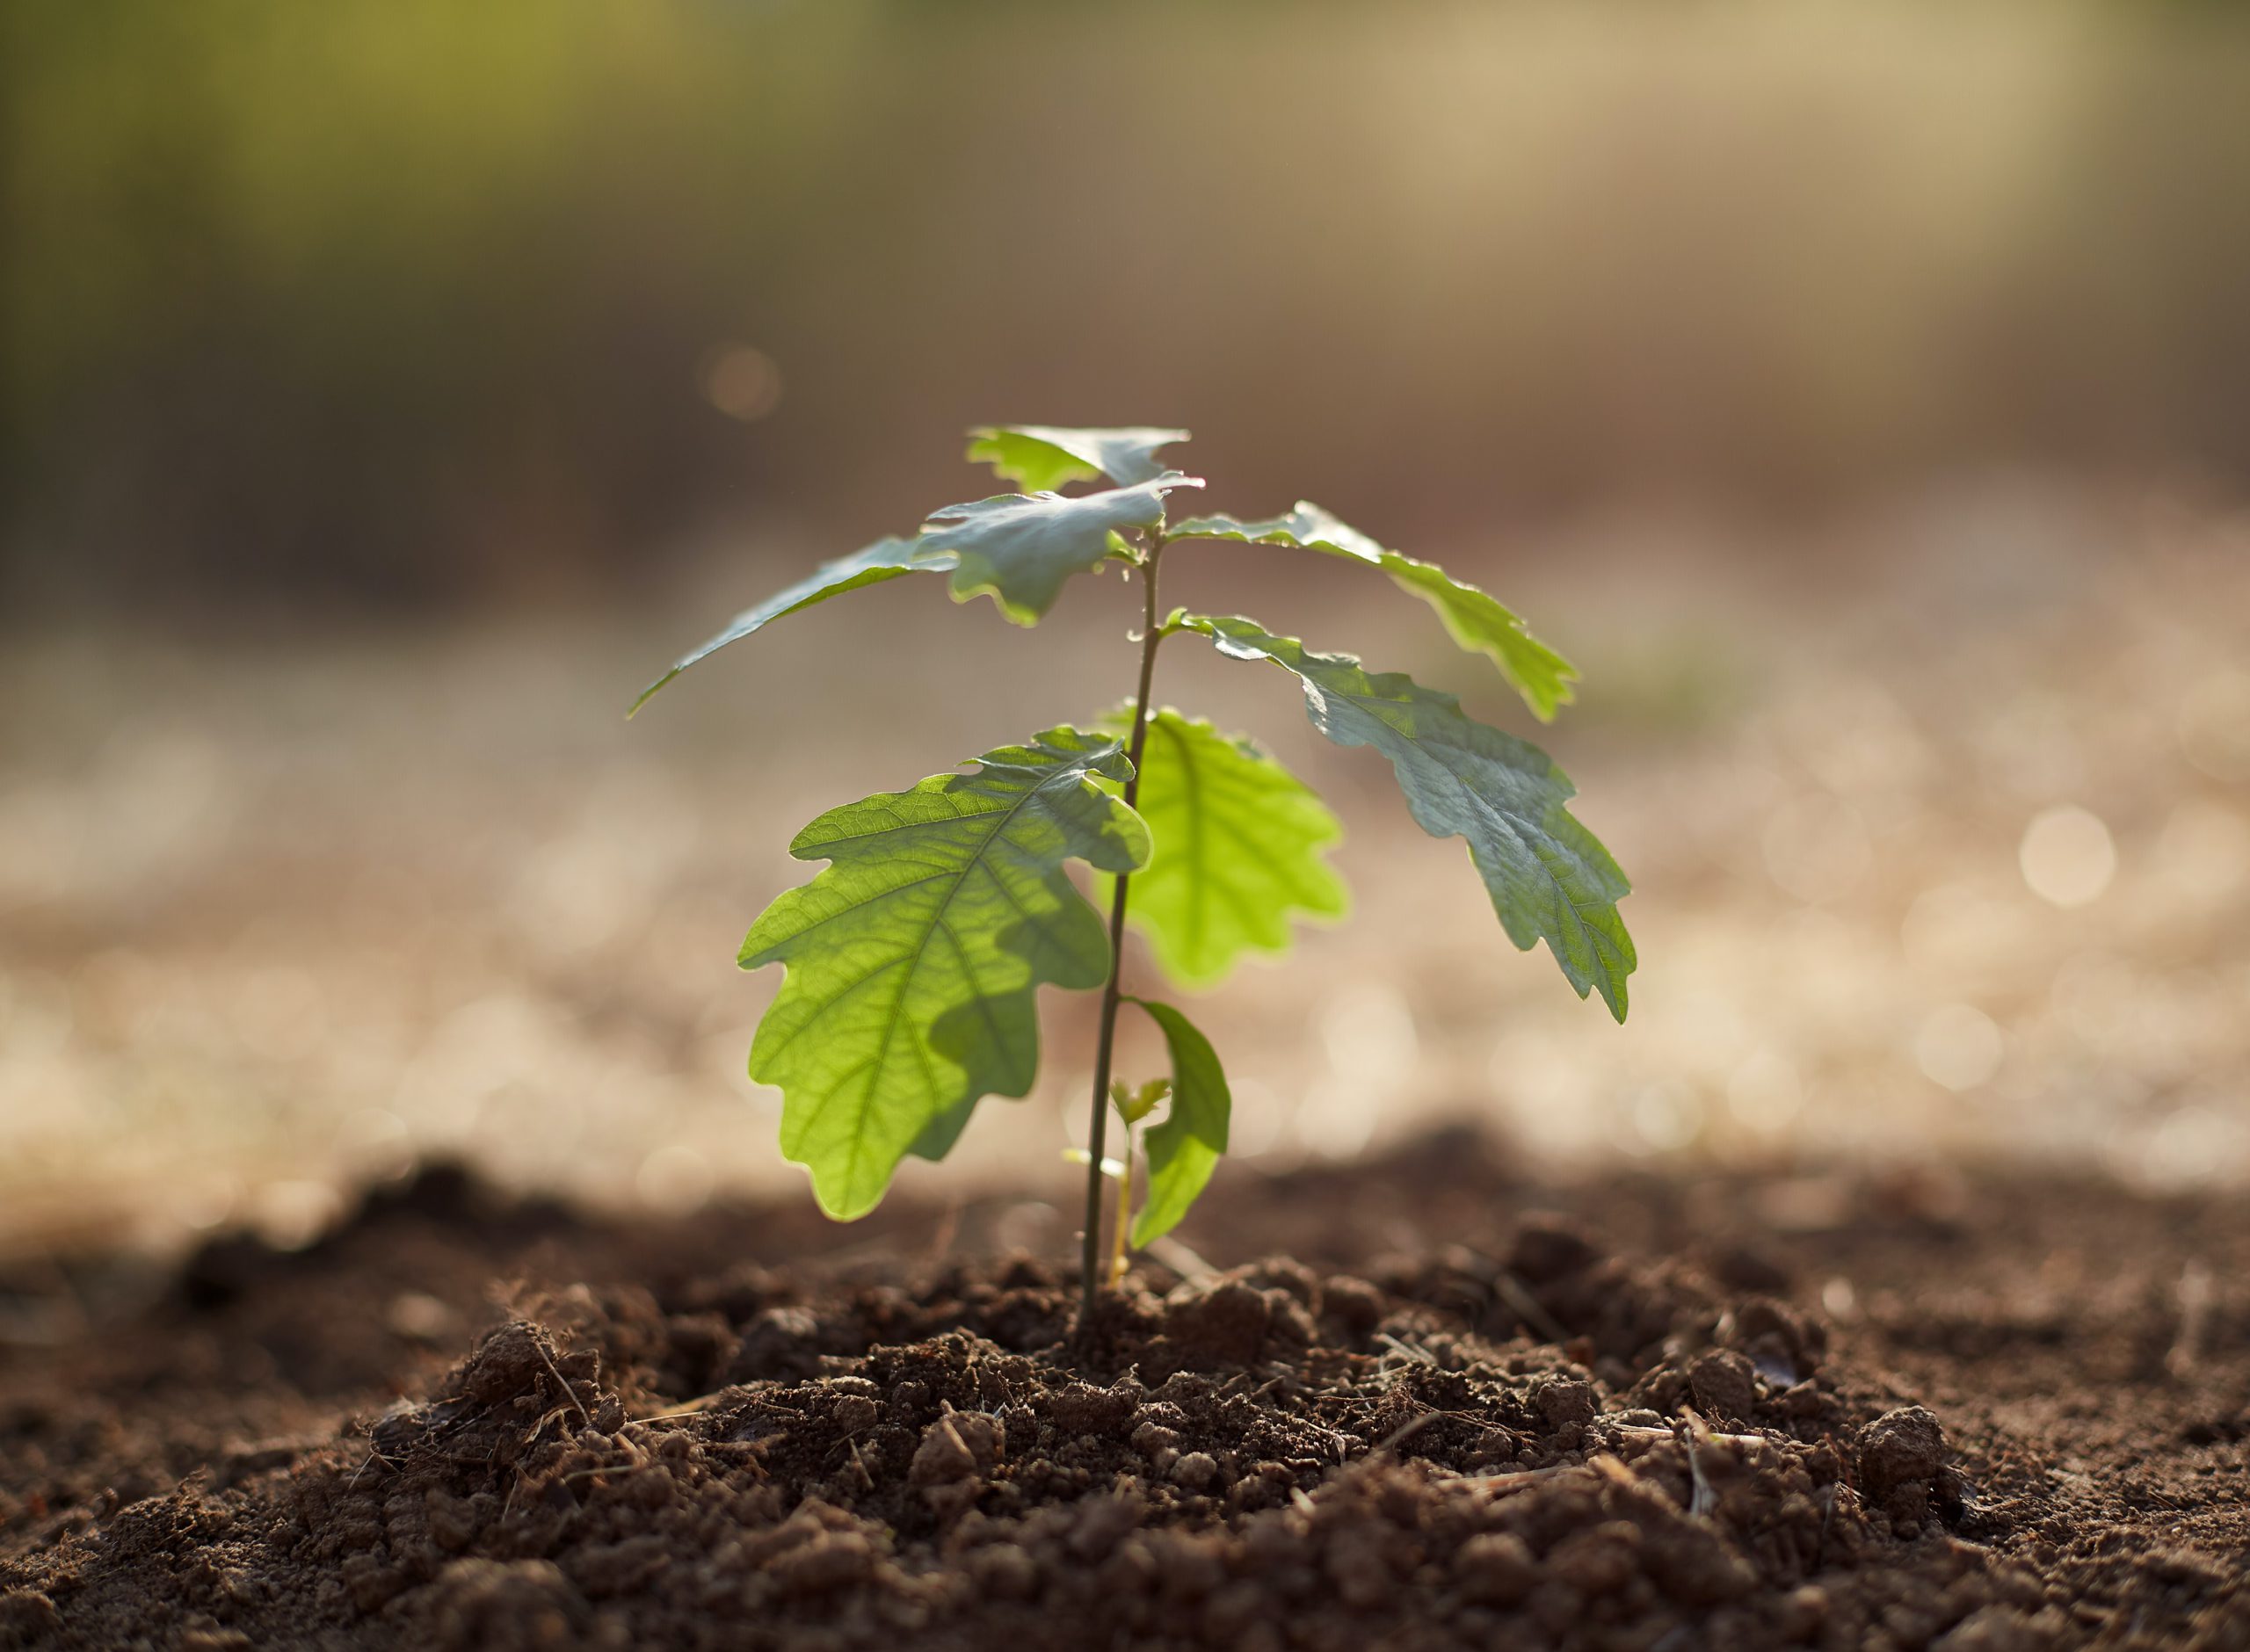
[1858, 391]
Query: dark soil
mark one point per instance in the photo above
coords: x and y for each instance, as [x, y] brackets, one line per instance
[1832, 1411]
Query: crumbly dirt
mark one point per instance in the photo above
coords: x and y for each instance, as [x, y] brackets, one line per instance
[1657, 1413]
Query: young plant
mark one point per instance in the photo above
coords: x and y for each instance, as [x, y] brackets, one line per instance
[912, 960]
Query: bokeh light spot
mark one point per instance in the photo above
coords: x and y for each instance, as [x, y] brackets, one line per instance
[743, 382]
[1958, 1046]
[2067, 856]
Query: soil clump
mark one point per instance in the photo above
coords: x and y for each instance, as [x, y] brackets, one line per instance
[1411, 1404]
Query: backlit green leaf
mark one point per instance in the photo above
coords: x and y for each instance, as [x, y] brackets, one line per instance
[1240, 846]
[885, 559]
[1550, 878]
[1185, 1148]
[1021, 547]
[914, 956]
[1476, 620]
[1040, 458]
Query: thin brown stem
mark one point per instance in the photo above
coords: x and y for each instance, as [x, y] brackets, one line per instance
[1152, 635]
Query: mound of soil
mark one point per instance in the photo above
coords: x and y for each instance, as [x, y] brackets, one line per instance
[1651, 1413]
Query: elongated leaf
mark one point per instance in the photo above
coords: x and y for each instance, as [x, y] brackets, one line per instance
[1240, 846]
[1040, 458]
[1022, 547]
[885, 559]
[1185, 1148]
[1476, 620]
[1019, 548]
[914, 956]
[1550, 878]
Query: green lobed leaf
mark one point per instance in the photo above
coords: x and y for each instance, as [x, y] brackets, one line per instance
[1020, 547]
[1240, 846]
[1185, 1148]
[1548, 877]
[914, 956]
[885, 559]
[1476, 620]
[1040, 458]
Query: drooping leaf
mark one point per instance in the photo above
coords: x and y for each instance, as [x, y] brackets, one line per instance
[1548, 877]
[1240, 846]
[914, 956]
[1185, 1148]
[1021, 547]
[1476, 619]
[1040, 458]
[885, 559]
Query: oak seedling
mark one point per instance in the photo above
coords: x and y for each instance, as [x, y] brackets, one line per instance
[913, 959]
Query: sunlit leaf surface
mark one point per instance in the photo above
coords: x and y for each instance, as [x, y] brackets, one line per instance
[885, 559]
[1185, 1148]
[1022, 548]
[914, 956]
[1548, 877]
[1476, 619]
[1240, 844]
[1040, 458]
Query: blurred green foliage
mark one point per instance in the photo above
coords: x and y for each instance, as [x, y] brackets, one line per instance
[418, 299]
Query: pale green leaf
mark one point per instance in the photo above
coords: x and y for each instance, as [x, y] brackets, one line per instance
[1240, 846]
[1185, 1148]
[1475, 618]
[885, 559]
[914, 956]
[1021, 547]
[1040, 458]
[1135, 1102]
[1548, 877]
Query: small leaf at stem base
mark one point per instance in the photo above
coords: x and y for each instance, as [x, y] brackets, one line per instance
[1185, 1148]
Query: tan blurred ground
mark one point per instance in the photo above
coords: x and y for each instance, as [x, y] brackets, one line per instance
[1947, 855]
[1860, 392]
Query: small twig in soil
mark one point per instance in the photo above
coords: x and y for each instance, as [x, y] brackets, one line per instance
[695, 1407]
[569, 1393]
[1406, 1350]
[1635, 1431]
[1704, 1501]
[1509, 1480]
[1404, 1433]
